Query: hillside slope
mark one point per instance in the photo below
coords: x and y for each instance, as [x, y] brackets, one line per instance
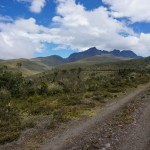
[98, 59]
[33, 66]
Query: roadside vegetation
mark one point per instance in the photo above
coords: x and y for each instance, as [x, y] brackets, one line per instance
[63, 94]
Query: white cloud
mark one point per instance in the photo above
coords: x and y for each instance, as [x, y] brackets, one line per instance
[74, 27]
[96, 28]
[85, 25]
[135, 10]
[23, 38]
[15, 39]
[35, 5]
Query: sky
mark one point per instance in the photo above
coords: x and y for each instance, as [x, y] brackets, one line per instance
[34, 28]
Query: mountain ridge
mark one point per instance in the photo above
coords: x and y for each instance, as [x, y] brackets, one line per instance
[93, 51]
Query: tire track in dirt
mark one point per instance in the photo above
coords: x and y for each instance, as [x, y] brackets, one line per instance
[138, 137]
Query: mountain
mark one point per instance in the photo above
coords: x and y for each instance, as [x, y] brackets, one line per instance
[94, 51]
[88, 57]
[124, 53]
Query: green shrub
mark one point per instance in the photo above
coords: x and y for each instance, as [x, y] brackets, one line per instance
[28, 124]
[10, 124]
[88, 95]
[9, 137]
[90, 105]
[54, 89]
[115, 90]
[30, 91]
[59, 115]
[92, 87]
[5, 95]
[71, 100]
[39, 109]
[99, 98]
[43, 88]
[35, 99]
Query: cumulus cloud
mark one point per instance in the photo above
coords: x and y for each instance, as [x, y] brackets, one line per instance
[96, 28]
[15, 39]
[135, 10]
[73, 27]
[35, 5]
[24, 37]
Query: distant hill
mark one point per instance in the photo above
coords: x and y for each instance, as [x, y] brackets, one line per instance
[94, 51]
[88, 57]
[35, 65]
[50, 61]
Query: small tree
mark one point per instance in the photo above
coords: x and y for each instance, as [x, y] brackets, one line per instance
[78, 72]
[5, 67]
[43, 88]
[63, 73]
[55, 75]
[19, 65]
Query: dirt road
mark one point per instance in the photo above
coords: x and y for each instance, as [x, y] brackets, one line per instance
[77, 137]
[138, 137]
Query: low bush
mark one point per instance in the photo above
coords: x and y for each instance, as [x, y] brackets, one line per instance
[115, 90]
[28, 124]
[5, 96]
[59, 115]
[54, 89]
[71, 100]
[39, 109]
[88, 95]
[10, 124]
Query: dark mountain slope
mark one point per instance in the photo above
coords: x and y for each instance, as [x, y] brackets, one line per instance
[94, 51]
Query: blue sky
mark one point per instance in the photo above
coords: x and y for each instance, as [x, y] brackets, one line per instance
[32, 28]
